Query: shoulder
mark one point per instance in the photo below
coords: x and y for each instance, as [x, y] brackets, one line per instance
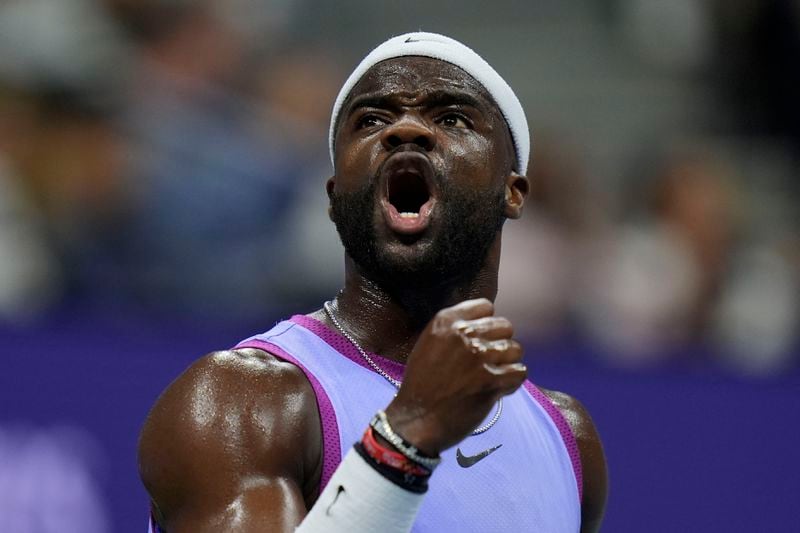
[577, 416]
[242, 382]
[231, 416]
[593, 461]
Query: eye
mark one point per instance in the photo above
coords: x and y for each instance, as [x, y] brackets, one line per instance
[369, 121]
[454, 120]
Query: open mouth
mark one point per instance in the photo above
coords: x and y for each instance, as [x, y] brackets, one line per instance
[409, 194]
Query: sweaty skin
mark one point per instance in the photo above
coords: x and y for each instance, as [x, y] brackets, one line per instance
[234, 444]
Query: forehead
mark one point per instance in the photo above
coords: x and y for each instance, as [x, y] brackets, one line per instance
[413, 76]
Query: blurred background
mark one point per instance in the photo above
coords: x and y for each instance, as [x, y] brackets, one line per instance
[162, 169]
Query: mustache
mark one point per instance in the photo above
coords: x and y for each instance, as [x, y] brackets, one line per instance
[437, 175]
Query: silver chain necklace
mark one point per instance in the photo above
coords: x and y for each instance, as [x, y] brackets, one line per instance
[327, 306]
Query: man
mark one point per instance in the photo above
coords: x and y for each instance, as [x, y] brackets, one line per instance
[429, 147]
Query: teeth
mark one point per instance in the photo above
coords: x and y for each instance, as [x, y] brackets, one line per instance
[409, 215]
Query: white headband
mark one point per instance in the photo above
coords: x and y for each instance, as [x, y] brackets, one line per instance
[451, 51]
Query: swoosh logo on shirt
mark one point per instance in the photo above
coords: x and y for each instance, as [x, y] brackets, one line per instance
[466, 461]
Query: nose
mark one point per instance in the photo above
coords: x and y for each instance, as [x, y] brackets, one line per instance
[408, 130]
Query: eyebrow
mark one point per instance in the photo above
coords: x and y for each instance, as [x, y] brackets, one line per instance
[443, 98]
[438, 98]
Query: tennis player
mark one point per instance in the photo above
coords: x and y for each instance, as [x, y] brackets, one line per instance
[403, 403]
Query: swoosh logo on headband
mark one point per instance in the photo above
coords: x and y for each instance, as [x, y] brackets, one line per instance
[466, 461]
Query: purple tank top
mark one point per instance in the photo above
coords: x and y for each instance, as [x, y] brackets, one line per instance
[531, 483]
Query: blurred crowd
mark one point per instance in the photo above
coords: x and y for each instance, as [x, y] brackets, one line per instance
[168, 157]
[154, 153]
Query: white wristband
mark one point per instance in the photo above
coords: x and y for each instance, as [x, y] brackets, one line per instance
[358, 498]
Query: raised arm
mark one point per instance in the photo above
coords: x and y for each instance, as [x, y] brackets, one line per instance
[233, 444]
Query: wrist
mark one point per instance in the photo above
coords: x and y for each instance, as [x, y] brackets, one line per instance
[380, 424]
[392, 464]
[412, 428]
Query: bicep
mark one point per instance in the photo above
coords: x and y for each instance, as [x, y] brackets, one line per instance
[220, 449]
[261, 504]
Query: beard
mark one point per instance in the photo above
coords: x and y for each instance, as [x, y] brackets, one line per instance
[455, 248]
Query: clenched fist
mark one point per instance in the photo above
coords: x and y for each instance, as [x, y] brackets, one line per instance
[463, 362]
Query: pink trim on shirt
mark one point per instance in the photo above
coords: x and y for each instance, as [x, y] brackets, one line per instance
[331, 449]
[341, 344]
[563, 427]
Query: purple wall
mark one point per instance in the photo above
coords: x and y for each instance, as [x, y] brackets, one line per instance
[687, 450]
[693, 453]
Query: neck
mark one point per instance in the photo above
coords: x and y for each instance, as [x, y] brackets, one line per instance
[387, 321]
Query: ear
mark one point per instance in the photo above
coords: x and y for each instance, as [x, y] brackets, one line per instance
[517, 188]
[329, 185]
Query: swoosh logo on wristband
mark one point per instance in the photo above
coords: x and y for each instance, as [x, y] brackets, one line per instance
[466, 461]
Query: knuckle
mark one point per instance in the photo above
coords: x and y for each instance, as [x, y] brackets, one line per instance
[460, 327]
[502, 345]
[485, 302]
[514, 379]
[517, 354]
[479, 304]
[448, 313]
[442, 323]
